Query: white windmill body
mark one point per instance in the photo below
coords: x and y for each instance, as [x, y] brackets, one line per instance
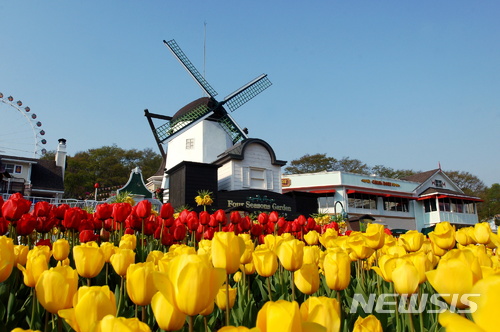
[202, 130]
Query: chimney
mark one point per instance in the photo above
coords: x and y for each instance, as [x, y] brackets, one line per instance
[61, 155]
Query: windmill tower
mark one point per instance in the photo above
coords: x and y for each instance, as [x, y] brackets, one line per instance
[203, 129]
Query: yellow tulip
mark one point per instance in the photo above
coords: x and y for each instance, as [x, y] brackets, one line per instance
[482, 232]
[443, 235]
[412, 240]
[227, 249]
[405, 277]
[90, 305]
[18, 329]
[128, 241]
[337, 270]
[220, 298]
[108, 249]
[265, 261]
[307, 278]
[237, 275]
[194, 280]
[89, 260]
[21, 254]
[154, 256]
[322, 310]
[167, 314]
[56, 287]
[464, 236]
[246, 256]
[249, 268]
[121, 260]
[374, 236]
[368, 324]
[422, 263]
[469, 258]
[486, 316]
[36, 264]
[272, 242]
[312, 238]
[122, 324]
[359, 246]
[140, 285]
[280, 316]
[329, 238]
[7, 257]
[455, 323]
[291, 254]
[60, 249]
[237, 329]
[312, 255]
[452, 276]
[386, 264]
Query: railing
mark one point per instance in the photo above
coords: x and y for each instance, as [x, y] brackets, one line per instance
[87, 204]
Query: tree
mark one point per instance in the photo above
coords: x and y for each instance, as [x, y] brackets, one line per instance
[388, 172]
[491, 205]
[470, 184]
[110, 166]
[318, 162]
[352, 165]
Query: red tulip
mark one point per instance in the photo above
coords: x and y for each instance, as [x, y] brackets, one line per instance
[235, 217]
[121, 211]
[44, 242]
[72, 218]
[209, 233]
[204, 218]
[45, 224]
[4, 225]
[143, 209]
[166, 211]
[301, 220]
[213, 222]
[179, 232]
[150, 225]
[256, 230]
[103, 211]
[220, 217]
[183, 216]
[26, 224]
[1, 203]
[192, 221]
[15, 207]
[245, 224]
[88, 235]
[263, 218]
[42, 209]
[311, 223]
[273, 217]
[133, 221]
[59, 211]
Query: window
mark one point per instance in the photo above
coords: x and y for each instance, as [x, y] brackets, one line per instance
[396, 204]
[189, 143]
[430, 205]
[257, 178]
[444, 205]
[9, 168]
[325, 202]
[362, 201]
[438, 183]
[18, 169]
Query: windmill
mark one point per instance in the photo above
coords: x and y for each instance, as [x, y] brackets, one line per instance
[204, 110]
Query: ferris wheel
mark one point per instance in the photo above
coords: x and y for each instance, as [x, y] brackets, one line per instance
[21, 132]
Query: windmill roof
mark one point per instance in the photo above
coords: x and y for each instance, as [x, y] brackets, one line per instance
[194, 104]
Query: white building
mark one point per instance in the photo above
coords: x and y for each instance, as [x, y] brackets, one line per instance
[416, 202]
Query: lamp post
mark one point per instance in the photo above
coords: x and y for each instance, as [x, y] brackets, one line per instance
[96, 185]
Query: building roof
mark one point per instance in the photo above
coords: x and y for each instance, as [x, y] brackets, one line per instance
[237, 151]
[421, 177]
[448, 193]
[45, 175]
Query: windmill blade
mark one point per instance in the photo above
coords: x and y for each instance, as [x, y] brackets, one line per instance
[232, 129]
[170, 129]
[247, 92]
[179, 54]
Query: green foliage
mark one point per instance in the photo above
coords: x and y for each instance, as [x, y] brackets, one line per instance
[109, 166]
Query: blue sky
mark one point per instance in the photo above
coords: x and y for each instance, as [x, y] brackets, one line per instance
[404, 84]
